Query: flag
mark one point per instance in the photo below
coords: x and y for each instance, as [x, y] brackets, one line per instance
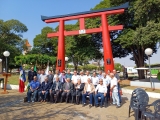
[47, 69]
[22, 79]
[35, 69]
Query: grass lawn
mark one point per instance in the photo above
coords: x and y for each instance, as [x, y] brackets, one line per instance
[13, 79]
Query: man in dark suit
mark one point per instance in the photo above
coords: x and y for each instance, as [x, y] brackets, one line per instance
[78, 90]
[44, 90]
[31, 74]
[50, 77]
[67, 88]
[56, 88]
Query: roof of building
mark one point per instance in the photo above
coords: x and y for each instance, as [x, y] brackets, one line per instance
[123, 6]
[27, 44]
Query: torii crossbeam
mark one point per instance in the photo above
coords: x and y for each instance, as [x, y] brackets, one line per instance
[104, 28]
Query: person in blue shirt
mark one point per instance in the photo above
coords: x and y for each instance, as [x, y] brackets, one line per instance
[44, 90]
[68, 75]
[34, 85]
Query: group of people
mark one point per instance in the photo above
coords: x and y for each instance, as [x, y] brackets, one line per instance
[74, 87]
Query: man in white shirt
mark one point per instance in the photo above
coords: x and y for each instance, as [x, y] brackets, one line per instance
[102, 90]
[42, 77]
[95, 80]
[57, 74]
[82, 77]
[114, 89]
[75, 77]
[87, 76]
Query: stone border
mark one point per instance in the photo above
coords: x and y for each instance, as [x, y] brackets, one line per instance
[150, 94]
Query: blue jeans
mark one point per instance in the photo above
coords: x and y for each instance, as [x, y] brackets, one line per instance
[102, 98]
[29, 94]
[120, 99]
[115, 98]
[90, 97]
[44, 96]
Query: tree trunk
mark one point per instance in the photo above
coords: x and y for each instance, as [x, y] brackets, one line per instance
[139, 61]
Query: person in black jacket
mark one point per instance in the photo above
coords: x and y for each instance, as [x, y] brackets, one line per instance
[79, 88]
[50, 77]
[56, 88]
[31, 74]
[45, 86]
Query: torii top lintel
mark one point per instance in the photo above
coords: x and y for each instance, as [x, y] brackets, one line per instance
[87, 14]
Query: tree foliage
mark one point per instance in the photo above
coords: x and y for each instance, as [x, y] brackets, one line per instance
[141, 26]
[45, 45]
[11, 39]
[35, 59]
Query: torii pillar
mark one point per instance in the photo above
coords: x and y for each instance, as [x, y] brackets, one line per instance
[104, 28]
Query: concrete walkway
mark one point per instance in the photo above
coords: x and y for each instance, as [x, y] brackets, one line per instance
[12, 107]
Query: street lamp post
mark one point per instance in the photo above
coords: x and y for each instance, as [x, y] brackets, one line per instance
[66, 60]
[149, 52]
[6, 74]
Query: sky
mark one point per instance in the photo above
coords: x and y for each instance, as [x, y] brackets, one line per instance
[29, 12]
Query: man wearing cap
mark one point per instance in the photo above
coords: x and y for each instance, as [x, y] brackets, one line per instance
[102, 90]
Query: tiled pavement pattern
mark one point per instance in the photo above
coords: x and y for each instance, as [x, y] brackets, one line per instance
[12, 107]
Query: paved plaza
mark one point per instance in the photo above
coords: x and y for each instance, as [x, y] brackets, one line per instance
[12, 107]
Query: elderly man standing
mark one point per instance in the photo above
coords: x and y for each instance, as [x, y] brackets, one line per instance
[34, 85]
[75, 77]
[87, 76]
[44, 90]
[114, 89]
[67, 88]
[102, 90]
[68, 74]
[31, 74]
[118, 82]
[95, 79]
[88, 90]
[56, 88]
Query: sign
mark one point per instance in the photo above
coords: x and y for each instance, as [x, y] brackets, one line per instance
[82, 31]
[59, 63]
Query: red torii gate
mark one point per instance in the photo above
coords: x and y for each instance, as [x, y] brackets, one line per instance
[104, 28]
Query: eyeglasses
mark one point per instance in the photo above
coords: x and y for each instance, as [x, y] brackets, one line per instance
[100, 81]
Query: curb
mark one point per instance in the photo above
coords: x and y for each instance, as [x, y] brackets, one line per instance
[150, 94]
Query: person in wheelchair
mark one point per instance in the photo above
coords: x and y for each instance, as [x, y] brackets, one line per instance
[34, 85]
[102, 90]
[78, 88]
[55, 89]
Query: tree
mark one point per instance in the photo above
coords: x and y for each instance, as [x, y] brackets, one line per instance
[11, 39]
[45, 45]
[81, 48]
[141, 26]
[39, 60]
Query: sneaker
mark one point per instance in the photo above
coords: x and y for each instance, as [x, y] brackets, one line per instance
[28, 101]
[118, 106]
[33, 101]
[83, 104]
[96, 106]
[90, 105]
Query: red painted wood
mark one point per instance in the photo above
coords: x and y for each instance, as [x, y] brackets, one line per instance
[107, 50]
[81, 23]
